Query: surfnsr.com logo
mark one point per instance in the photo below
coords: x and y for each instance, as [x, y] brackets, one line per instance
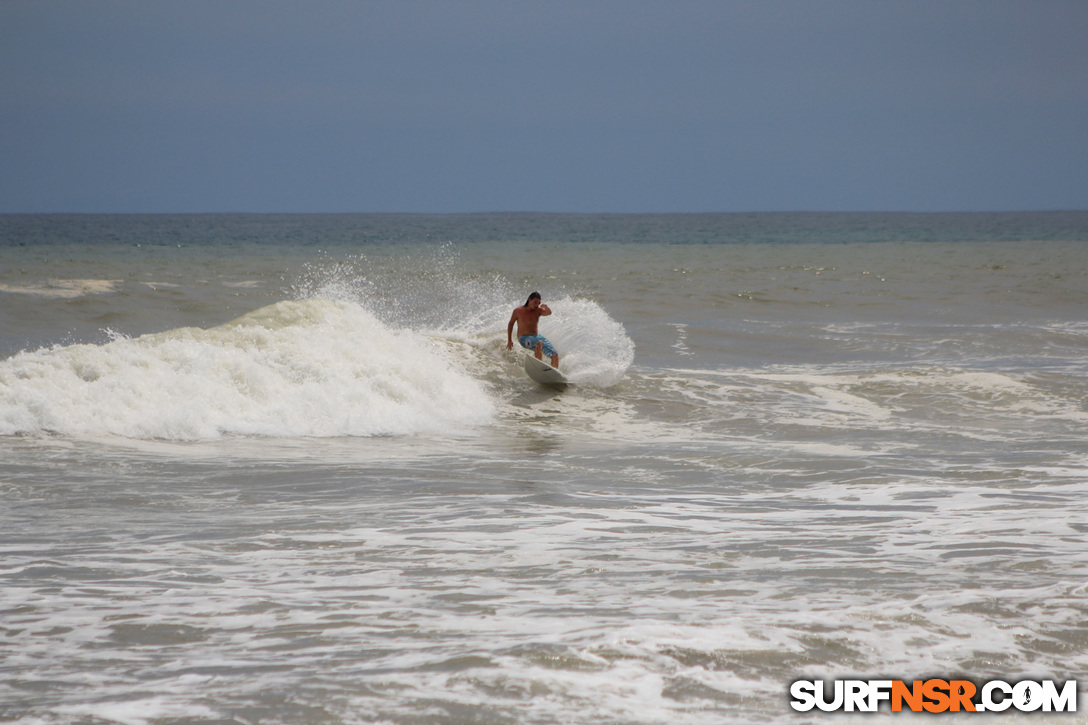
[933, 695]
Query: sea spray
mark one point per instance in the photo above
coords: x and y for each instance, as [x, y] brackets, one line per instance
[436, 295]
[596, 349]
[296, 368]
[431, 290]
[359, 353]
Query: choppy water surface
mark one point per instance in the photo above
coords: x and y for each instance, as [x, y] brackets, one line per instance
[284, 470]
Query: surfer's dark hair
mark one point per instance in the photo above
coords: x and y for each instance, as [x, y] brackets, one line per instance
[533, 296]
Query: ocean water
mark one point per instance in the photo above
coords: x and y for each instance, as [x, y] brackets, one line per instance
[264, 469]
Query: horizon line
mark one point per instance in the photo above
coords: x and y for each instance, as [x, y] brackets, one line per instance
[537, 213]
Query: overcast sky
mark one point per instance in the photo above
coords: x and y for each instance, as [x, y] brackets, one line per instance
[579, 106]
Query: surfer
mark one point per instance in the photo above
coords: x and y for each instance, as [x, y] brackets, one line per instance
[526, 317]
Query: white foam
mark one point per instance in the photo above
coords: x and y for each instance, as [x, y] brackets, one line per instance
[306, 368]
[445, 300]
[64, 288]
[139, 712]
[595, 348]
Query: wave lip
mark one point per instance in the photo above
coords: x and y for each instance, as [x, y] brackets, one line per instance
[314, 367]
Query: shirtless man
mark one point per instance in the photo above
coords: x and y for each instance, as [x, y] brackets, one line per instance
[527, 316]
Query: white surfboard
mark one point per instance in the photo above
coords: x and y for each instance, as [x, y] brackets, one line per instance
[543, 373]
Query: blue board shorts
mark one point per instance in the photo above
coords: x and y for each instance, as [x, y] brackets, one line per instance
[529, 343]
